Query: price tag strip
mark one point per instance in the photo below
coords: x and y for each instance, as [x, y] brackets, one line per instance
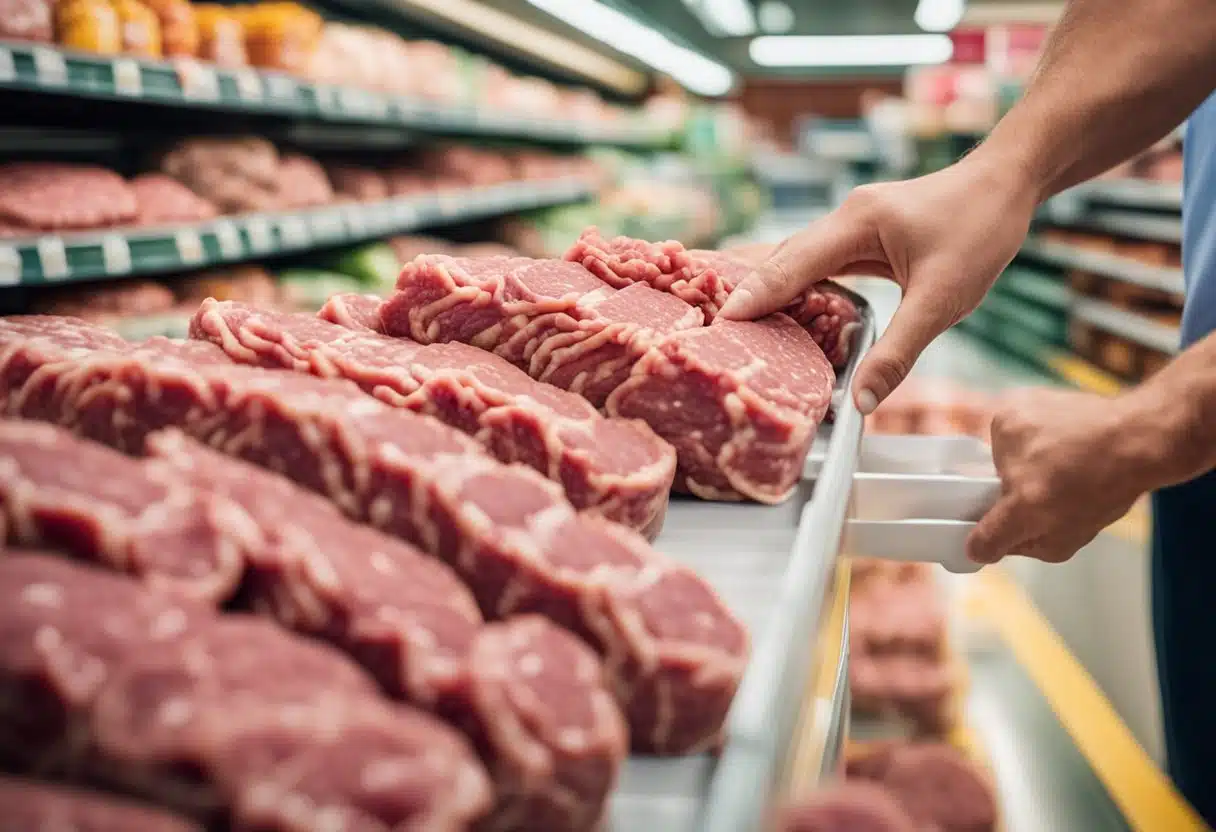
[261, 238]
[199, 81]
[50, 66]
[128, 77]
[10, 266]
[248, 86]
[229, 239]
[116, 254]
[53, 258]
[294, 232]
[356, 221]
[327, 225]
[189, 247]
[8, 68]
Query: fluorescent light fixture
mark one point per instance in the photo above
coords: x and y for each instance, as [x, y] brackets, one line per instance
[850, 51]
[729, 18]
[776, 17]
[939, 15]
[690, 69]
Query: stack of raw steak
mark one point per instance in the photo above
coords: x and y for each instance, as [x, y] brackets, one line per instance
[705, 279]
[225, 718]
[202, 525]
[616, 468]
[673, 653]
[739, 401]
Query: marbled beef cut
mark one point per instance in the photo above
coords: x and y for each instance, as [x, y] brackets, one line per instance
[616, 468]
[51, 196]
[29, 806]
[939, 787]
[705, 279]
[110, 508]
[674, 653]
[740, 401]
[229, 719]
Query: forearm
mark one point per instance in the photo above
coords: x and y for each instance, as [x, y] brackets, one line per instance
[1170, 428]
[1115, 77]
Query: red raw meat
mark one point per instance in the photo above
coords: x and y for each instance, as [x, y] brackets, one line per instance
[739, 401]
[165, 201]
[611, 467]
[939, 787]
[705, 279]
[847, 807]
[301, 183]
[676, 654]
[30, 806]
[556, 320]
[363, 184]
[111, 508]
[47, 196]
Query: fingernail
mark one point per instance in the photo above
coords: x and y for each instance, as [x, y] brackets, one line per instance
[738, 299]
[867, 402]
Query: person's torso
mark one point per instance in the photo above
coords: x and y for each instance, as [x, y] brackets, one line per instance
[1199, 223]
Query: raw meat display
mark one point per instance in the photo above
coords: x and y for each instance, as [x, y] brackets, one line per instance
[114, 509]
[899, 666]
[104, 301]
[933, 407]
[405, 617]
[48, 197]
[705, 279]
[740, 401]
[30, 806]
[225, 718]
[914, 786]
[163, 201]
[674, 653]
[612, 467]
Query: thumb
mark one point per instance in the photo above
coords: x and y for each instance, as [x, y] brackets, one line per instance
[920, 318]
[822, 250]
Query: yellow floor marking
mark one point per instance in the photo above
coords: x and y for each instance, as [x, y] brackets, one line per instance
[1143, 793]
[1084, 375]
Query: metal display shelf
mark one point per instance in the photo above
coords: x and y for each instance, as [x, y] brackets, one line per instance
[1134, 193]
[197, 85]
[1119, 268]
[1129, 325]
[773, 565]
[52, 259]
[1139, 226]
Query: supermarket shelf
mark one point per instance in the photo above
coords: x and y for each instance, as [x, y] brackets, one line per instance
[1119, 268]
[1129, 325]
[122, 252]
[1134, 193]
[196, 85]
[1139, 226]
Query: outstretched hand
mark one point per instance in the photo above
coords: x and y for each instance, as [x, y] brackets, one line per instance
[944, 238]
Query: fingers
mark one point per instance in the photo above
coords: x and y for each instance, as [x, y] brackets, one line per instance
[821, 251]
[920, 318]
[997, 534]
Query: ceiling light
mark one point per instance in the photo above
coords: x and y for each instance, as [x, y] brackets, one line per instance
[939, 15]
[776, 17]
[850, 51]
[728, 18]
[690, 69]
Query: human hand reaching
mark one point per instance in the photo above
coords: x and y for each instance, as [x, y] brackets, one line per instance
[944, 238]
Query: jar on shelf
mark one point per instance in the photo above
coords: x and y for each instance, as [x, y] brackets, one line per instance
[140, 29]
[281, 36]
[221, 35]
[88, 25]
[178, 27]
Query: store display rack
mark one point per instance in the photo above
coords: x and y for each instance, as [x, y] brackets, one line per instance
[1107, 265]
[53, 259]
[1136, 328]
[195, 85]
[1133, 193]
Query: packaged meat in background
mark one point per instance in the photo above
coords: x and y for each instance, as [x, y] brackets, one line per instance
[27, 20]
[178, 27]
[357, 183]
[30, 806]
[163, 200]
[88, 25]
[485, 250]
[140, 29]
[196, 160]
[221, 35]
[435, 72]
[302, 183]
[280, 35]
[248, 284]
[933, 407]
[103, 302]
[409, 246]
[50, 196]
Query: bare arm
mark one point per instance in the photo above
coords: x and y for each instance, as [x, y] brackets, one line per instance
[1116, 76]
